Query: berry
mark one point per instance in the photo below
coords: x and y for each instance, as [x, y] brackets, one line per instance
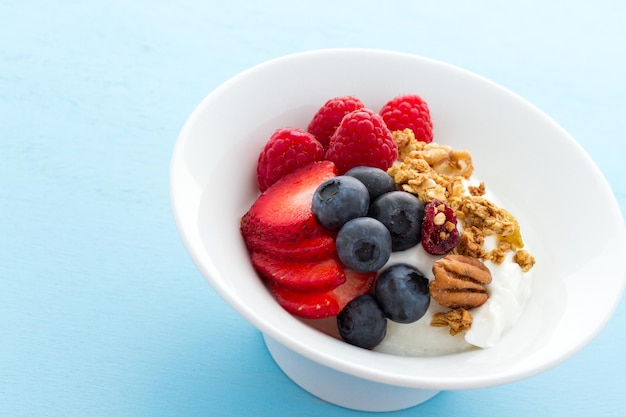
[364, 244]
[409, 112]
[362, 323]
[322, 304]
[328, 117]
[377, 181]
[282, 214]
[315, 248]
[402, 214]
[300, 276]
[439, 231]
[362, 138]
[286, 150]
[338, 200]
[402, 293]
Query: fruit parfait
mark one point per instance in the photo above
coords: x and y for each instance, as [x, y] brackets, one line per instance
[367, 228]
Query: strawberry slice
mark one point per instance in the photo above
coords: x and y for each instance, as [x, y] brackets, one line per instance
[319, 305]
[282, 214]
[314, 248]
[299, 276]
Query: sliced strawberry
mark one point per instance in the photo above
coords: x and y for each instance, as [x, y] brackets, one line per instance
[318, 305]
[315, 248]
[300, 276]
[282, 214]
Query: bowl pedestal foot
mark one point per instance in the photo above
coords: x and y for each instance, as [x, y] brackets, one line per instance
[342, 389]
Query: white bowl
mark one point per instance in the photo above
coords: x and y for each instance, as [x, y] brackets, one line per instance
[568, 214]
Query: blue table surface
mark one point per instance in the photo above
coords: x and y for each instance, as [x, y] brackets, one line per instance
[102, 312]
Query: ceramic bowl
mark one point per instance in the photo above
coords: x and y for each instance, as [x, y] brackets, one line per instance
[568, 214]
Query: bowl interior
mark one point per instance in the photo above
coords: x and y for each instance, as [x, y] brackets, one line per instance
[569, 217]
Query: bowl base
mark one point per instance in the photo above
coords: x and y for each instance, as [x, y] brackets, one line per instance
[342, 389]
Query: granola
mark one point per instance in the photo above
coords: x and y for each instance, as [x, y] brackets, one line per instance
[524, 259]
[471, 243]
[459, 320]
[437, 172]
[430, 171]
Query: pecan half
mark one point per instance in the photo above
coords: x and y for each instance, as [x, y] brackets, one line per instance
[460, 282]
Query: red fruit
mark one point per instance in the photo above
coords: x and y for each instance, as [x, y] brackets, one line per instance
[362, 139]
[318, 305]
[285, 151]
[282, 214]
[439, 232]
[328, 117]
[409, 112]
[320, 246]
[322, 275]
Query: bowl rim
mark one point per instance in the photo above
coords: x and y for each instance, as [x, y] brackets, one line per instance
[191, 241]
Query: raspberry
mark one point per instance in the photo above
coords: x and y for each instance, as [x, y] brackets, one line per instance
[286, 150]
[439, 231]
[409, 112]
[362, 139]
[328, 117]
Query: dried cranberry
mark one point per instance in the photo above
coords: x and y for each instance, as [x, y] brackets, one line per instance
[439, 232]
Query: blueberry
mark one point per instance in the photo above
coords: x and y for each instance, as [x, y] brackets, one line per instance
[338, 200]
[377, 181]
[402, 214]
[364, 244]
[362, 323]
[402, 293]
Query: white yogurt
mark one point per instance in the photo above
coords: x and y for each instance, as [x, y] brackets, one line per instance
[508, 293]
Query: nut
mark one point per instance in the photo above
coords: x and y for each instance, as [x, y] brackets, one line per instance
[439, 219]
[448, 161]
[460, 282]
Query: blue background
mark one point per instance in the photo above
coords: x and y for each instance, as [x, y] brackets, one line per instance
[102, 312]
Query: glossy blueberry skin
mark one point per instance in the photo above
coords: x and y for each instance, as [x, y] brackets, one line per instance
[402, 293]
[402, 213]
[377, 181]
[338, 200]
[364, 244]
[362, 323]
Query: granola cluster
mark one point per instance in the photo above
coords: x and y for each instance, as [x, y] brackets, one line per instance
[438, 172]
[458, 320]
[429, 170]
